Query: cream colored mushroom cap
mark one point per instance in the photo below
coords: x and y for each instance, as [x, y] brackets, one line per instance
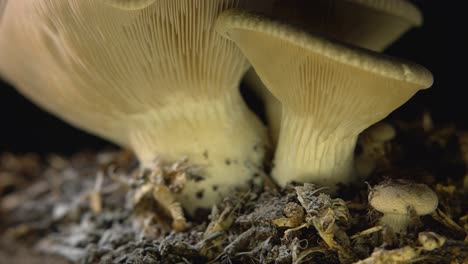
[372, 62]
[403, 8]
[370, 24]
[128, 4]
[396, 197]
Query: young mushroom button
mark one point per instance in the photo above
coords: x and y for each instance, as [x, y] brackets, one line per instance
[397, 199]
[370, 24]
[373, 142]
[330, 92]
[152, 76]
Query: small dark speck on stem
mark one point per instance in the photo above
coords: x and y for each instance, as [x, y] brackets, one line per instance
[199, 194]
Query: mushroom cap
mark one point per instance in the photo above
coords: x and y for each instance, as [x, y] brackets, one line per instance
[315, 76]
[396, 197]
[371, 24]
[129, 4]
[402, 8]
[236, 21]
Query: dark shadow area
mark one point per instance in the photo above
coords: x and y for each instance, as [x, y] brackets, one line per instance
[26, 128]
[440, 46]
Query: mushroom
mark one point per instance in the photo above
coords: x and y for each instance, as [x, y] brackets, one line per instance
[158, 80]
[330, 93]
[370, 24]
[374, 148]
[397, 199]
[430, 241]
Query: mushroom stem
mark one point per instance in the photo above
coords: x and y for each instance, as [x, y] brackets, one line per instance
[323, 158]
[220, 136]
[398, 222]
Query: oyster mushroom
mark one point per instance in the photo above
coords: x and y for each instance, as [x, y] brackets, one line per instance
[330, 93]
[158, 80]
[397, 199]
[370, 24]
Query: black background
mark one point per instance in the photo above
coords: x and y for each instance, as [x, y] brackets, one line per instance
[440, 45]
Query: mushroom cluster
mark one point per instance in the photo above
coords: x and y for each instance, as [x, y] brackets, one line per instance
[161, 78]
[151, 76]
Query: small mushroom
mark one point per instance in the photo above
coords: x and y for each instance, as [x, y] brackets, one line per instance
[430, 240]
[398, 199]
[426, 122]
[330, 93]
[370, 24]
[157, 80]
[374, 147]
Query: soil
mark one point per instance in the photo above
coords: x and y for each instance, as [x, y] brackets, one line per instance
[98, 208]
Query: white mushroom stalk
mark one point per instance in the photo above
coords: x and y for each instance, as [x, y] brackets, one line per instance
[310, 152]
[158, 80]
[330, 93]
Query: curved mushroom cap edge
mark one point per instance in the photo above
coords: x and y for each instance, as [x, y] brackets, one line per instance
[377, 63]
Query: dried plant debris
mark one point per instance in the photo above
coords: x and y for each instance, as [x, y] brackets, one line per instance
[103, 208]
